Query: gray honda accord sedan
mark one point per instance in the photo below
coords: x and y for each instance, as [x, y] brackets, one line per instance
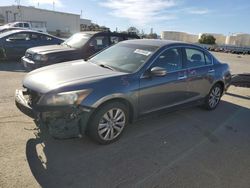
[101, 96]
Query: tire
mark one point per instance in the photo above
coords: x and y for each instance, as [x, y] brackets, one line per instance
[213, 98]
[108, 122]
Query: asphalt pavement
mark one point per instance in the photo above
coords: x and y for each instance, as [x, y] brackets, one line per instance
[187, 148]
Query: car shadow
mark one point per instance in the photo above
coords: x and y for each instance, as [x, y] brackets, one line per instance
[239, 96]
[11, 66]
[146, 146]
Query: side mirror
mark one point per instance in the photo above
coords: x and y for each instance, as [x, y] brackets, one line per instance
[9, 40]
[158, 71]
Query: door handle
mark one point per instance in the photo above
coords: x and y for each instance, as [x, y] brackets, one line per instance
[182, 77]
[211, 71]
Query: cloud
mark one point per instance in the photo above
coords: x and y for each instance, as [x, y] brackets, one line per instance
[197, 11]
[141, 12]
[58, 3]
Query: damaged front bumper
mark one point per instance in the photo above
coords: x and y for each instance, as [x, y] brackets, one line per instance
[62, 122]
[23, 105]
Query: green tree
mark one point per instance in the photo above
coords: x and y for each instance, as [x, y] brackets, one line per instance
[133, 30]
[207, 39]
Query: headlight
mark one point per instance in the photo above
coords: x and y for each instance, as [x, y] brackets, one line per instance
[64, 98]
[39, 57]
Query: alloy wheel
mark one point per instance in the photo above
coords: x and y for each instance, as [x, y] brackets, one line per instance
[214, 97]
[111, 124]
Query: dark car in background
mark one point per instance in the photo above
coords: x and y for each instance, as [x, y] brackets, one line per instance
[13, 44]
[79, 46]
[120, 84]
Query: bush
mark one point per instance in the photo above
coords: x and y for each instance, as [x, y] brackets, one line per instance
[207, 39]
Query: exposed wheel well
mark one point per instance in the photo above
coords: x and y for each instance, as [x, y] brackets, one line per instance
[221, 84]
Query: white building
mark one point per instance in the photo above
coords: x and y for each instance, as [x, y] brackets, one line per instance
[240, 39]
[220, 38]
[53, 20]
[179, 36]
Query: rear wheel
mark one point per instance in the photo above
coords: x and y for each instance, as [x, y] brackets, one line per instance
[108, 122]
[213, 98]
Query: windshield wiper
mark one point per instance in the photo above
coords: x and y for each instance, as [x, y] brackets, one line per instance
[106, 66]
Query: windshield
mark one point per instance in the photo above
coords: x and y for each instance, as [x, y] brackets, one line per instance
[124, 57]
[77, 40]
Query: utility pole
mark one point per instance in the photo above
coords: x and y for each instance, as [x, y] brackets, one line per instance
[53, 5]
[18, 2]
[151, 31]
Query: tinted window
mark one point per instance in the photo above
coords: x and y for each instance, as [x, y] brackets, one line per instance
[26, 25]
[34, 36]
[18, 25]
[170, 60]
[115, 39]
[19, 36]
[195, 57]
[45, 37]
[99, 42]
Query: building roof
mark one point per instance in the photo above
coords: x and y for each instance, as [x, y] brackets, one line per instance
[40, 9]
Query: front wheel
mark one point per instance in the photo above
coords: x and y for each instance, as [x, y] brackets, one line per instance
[213, 98]
[108, 122]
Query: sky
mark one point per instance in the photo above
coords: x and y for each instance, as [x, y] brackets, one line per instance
[191, 16]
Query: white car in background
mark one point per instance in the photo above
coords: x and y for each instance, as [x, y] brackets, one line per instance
[23, 25]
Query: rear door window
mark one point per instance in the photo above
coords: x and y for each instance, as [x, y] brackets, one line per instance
[19, 37]
[194, 58]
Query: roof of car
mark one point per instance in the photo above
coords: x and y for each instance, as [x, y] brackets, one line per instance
[89, 32]
[115, 33]
[24, 30]
[153, 42]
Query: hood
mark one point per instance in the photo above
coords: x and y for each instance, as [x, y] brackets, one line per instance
[56, 76]
[4, 27]
[49, 49]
